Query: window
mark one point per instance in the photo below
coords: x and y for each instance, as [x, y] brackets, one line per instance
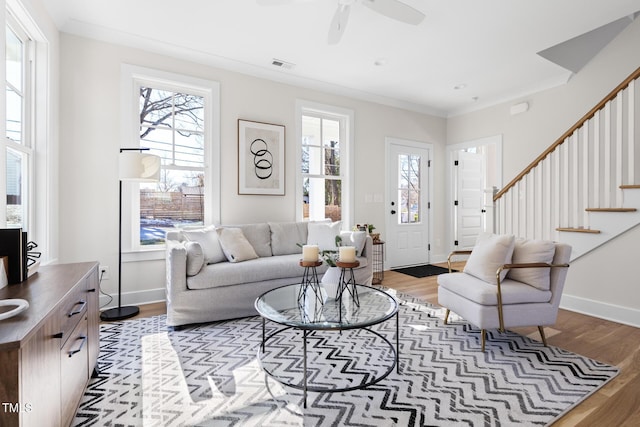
[18, 141]
[172, 127]
[324, 163]
[176, 118]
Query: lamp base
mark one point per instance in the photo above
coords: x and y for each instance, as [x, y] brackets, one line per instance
[119, 313]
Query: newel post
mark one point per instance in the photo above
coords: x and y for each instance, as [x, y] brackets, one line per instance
[489, 210]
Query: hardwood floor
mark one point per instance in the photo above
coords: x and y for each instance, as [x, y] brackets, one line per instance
[616, 404]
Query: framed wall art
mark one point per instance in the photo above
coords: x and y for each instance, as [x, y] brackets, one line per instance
[260, 158]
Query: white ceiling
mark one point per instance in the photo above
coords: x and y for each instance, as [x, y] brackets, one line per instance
[489, 46]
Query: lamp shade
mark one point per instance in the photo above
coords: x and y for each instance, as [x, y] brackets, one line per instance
[139, 166]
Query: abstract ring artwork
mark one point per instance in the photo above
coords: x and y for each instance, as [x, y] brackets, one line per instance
[261, 158]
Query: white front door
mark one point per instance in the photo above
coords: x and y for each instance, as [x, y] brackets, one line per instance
[407, 203]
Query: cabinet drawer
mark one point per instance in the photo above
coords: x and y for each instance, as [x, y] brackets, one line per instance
[74, 308]
[74, 371]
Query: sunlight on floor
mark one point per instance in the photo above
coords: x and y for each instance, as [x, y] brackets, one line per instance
[166, 400]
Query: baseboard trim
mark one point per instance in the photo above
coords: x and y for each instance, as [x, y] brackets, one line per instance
[147, 296]
[614, 313]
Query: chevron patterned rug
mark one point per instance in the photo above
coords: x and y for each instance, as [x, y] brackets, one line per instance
[209, 375]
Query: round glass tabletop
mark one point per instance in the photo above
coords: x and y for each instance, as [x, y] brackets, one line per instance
[316, 308]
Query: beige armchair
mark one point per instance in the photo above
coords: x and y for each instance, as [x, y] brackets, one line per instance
[507, 282]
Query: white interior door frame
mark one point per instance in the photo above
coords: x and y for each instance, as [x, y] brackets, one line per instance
[494, 165]
[389, 197]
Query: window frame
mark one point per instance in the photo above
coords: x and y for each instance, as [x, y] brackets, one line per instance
[27, 143]
[133, 77]
[346, 118]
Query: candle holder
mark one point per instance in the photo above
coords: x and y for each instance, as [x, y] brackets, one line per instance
[347, 281]
[310, 283]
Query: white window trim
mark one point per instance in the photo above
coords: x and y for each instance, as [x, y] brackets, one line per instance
[41, 145]
[347, 169]
[131, 75]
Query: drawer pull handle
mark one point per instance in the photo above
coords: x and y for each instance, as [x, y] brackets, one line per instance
[82, 304]
[58, 335]
[91, 290]
[79, 349]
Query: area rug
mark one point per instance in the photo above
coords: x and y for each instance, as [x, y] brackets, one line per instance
[425, 270]
[209, 375]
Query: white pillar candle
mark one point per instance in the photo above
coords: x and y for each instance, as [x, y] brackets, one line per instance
[310, 253]
[347, 254]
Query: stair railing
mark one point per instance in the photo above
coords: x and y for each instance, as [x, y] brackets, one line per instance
[581, 171]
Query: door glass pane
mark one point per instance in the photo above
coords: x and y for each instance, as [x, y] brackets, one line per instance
[409, 188]
[414, 206]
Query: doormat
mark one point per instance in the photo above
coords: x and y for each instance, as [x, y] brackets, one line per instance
[425, 270]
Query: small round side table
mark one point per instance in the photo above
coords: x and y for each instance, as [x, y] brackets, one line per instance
[347, 281]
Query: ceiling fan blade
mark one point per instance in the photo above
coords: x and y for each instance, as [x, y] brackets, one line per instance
[396, 10]
[339, 23]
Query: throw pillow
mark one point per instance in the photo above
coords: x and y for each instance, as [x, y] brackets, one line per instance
[354, 238]
[208, 239]
[490, 252]
[234, 245]
[324, 235]
[526, 251]
[286, 236]
[259, 235]
[195, 258]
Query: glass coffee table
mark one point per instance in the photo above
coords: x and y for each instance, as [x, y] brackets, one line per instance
[315, 310]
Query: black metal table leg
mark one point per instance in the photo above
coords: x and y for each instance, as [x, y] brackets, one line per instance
[397, 343]
[304, 376]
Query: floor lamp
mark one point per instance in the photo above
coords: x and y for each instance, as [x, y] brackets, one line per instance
[135, 165]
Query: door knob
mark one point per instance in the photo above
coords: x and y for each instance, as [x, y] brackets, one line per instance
[393, 212]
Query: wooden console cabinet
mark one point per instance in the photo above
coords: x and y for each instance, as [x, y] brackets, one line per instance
[49, 351]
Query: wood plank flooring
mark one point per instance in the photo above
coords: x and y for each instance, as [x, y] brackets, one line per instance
[616, 404]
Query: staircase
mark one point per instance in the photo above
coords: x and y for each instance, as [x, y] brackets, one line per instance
[583, 189]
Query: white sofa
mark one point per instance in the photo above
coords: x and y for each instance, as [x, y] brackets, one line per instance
[220, 289]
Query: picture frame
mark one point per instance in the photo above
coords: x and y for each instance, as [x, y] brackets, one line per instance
[261, 158]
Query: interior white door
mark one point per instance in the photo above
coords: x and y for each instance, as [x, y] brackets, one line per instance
[407, 224]
[469, 198]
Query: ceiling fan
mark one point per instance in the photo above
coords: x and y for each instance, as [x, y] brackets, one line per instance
[393, 9]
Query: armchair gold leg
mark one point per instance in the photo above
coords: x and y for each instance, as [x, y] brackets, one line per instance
[483, 337]
[446, 316]
[544, 338]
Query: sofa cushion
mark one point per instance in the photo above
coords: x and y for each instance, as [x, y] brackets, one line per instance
[527, 251]
[323, 234]
[490, 252]
[235, 246]
[286, 236]
[195, 258]
[208, 239]
[356, 239]
[255, 270]
[484, 293]
[259, 235]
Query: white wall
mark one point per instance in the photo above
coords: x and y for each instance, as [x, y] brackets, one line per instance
[603, 282]
[90, 129]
